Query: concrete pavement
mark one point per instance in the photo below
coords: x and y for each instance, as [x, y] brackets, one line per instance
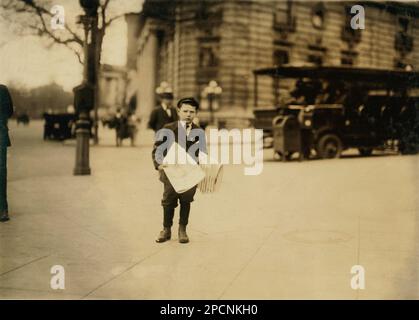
[294, 232]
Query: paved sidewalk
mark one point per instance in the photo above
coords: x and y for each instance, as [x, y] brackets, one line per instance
[294, 232]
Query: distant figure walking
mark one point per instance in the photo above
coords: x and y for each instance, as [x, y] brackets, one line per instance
[125, 127]
[6, 111]
[164, 113]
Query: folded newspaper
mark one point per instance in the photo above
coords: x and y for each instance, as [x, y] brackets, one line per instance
[184, 173]
[181, 169]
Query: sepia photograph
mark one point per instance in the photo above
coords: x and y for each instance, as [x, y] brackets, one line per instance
[209, 150]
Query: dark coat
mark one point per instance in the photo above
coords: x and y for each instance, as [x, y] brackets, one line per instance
[6, 111]
[159, 117]
[179, 132]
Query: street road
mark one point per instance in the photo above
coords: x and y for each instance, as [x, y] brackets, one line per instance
[293, 232]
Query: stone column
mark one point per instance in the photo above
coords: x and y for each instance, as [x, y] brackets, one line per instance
[147, 73]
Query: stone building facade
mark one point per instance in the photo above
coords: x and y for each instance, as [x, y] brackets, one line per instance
[112, 84]
[188, 43]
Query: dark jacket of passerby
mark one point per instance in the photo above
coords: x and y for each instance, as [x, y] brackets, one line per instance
[6, 111]
[161, 116]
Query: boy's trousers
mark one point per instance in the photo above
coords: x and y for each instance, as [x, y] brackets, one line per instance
[170, 202]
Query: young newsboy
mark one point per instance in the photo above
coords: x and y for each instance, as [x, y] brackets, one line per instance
[186, 134]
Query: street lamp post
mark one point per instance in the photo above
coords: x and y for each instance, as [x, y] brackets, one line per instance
[84, 94]
[211, 92]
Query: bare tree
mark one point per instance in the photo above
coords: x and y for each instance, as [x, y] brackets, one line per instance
[32, 17]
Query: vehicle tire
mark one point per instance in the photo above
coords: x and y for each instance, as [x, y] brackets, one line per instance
[365, 152]
[288, 156]
[329, 146]
[279, 156]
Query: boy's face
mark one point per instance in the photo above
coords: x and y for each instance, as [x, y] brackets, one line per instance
[186, 112]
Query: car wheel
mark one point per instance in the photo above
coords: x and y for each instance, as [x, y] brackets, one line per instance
[277, 156]
[329, 146]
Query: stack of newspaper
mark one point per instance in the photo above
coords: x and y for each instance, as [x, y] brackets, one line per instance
[184, 173]
[213, 177]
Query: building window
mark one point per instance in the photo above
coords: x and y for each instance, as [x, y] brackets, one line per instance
[284, 19]
[404, 40]
[348, 57]
[315, 59]
[318, 14]
[280, 57]
[207, 57]
[404, 24]
[346, 61]
[208, 14]
[349, 35]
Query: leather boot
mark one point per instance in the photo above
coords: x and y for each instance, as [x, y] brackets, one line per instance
[183, 237]
[4, 217]
[164, 235]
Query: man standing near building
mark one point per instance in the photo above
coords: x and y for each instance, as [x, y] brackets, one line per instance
[164, 113]
[6, 111]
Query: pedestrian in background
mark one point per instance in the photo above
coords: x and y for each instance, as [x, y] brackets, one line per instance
[6, 111]
[164, 113]
[120, 122]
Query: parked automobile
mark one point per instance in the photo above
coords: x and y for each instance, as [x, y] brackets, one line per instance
[332, 109]
[59, 126]
[22, 118]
